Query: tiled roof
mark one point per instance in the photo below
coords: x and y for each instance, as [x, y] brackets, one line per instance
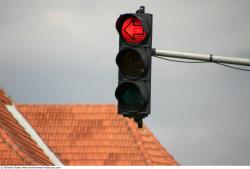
[16, 145]
[94, 135]
[77, 135]
[5, 100]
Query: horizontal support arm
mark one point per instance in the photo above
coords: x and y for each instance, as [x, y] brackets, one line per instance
[202, 57]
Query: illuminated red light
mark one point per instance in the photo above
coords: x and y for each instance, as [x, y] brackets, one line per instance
[132, 31]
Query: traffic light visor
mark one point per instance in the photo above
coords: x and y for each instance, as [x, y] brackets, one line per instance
[131, 29]
[131, 63]
[130, 97]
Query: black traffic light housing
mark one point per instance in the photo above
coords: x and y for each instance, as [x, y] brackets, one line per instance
[134, 62]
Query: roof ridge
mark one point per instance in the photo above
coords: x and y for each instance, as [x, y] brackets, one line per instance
[139, 141]
[146, 151]
[163, 149]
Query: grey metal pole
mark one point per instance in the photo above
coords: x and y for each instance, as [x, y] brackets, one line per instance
[202, 57]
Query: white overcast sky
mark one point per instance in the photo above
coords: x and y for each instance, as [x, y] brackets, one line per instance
[58, 51]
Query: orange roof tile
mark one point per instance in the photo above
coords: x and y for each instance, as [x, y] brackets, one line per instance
[78, 135]
[3, 98]
[16, 145]
[94, 135]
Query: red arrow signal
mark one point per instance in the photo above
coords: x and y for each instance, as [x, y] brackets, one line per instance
[132, 31]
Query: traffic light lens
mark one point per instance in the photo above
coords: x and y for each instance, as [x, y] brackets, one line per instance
[131, 64]
[130, 97]
[132, 30]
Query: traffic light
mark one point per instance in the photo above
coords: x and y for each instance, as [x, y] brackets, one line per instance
[134, 63]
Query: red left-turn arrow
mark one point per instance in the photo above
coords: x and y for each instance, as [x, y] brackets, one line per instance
[133, 31]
